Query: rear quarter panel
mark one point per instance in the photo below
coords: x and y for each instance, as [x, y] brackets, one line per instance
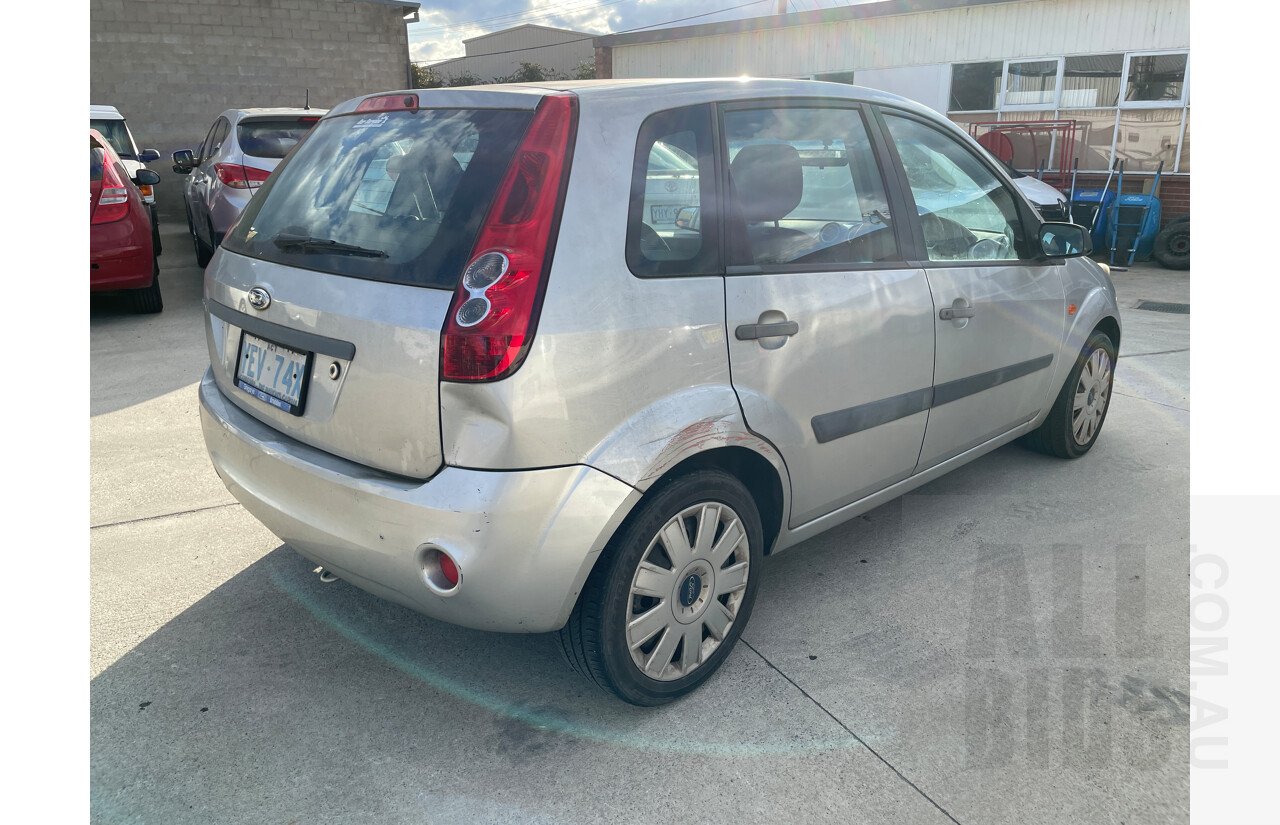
[629, 375]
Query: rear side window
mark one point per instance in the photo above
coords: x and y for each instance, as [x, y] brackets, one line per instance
[393, 196]
[272, 138]
[672, 226]
[805, 188]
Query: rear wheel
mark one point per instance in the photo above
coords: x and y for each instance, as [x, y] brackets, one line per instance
[147, 300]
[1077, 415]
[671, 594]
[204, 252]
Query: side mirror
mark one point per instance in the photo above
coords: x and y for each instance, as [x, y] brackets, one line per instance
[689, 217]
[146, 177]
[184, 161]
[148, 155]
[1064, 240]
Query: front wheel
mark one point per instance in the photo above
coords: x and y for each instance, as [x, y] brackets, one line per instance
[672, 592]
[1077, 415]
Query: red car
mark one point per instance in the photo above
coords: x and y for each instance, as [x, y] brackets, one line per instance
[121, 254]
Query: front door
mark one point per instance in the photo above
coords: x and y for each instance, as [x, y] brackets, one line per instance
[1000, 313]
[830, 330]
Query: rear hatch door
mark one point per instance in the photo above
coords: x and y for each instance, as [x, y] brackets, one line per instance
[325, 303]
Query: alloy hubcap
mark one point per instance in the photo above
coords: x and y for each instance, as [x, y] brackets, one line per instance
[686, 591]
[1092, 393]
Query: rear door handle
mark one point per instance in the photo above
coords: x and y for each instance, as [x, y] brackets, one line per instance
[751, 332]
[952, 313]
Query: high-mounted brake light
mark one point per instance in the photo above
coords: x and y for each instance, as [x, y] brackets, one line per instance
[388, 103]
[240, 177]
[494, 312]
[113, 200]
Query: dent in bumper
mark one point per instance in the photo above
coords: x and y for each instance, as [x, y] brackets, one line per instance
[524, 541]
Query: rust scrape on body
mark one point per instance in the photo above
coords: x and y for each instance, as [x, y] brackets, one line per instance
[704, 434]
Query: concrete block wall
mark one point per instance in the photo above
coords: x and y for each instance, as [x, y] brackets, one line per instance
[172, 66]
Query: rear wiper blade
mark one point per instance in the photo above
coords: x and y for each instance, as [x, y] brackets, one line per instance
[310, 244]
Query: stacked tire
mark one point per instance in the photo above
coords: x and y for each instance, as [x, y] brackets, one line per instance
[1173, 245]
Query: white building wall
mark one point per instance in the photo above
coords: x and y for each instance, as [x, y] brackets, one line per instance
[1032, 28]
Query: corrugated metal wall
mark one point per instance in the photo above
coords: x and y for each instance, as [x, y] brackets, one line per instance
[1033, 28]
[500, 55]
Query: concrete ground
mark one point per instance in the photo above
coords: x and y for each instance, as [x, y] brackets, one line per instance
[1004, 645]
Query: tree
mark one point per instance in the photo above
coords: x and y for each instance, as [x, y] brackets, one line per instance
[464, 79]
[530, 73]
[424, 77]
[586, 70]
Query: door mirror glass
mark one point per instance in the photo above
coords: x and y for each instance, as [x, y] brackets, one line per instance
[183, 161]
[689, 218]
[145, 177]
[1064, 240]
[148, 155]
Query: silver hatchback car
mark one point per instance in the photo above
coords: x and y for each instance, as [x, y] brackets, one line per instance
[236, 157]
[464, 358]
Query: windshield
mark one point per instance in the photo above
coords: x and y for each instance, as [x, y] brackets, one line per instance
[274, 137]
[117, 134]
[389, 196]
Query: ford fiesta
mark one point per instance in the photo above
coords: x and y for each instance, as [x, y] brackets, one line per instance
[469, 356]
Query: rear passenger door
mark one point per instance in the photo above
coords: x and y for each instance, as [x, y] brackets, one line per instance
[1000, 310]
[830, 329]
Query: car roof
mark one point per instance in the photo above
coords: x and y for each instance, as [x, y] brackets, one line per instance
[646, 92]
[104, 112]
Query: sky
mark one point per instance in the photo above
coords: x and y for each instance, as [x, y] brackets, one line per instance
[443, 26]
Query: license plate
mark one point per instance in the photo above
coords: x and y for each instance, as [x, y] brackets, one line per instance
[273, 373]
[663, 214]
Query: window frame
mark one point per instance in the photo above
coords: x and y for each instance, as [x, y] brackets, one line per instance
[897, 203]
[920, 257]
[710, 257]
[1002, 106]
[1183, 101]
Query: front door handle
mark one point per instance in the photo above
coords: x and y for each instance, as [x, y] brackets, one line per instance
[751, 332]
[952, 313]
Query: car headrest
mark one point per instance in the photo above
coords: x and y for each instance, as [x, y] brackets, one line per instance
[767, 180]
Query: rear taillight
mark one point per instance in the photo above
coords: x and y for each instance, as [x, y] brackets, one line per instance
[494, 312]
[113, 200]
[240, 177]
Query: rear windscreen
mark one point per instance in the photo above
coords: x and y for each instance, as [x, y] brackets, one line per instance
[117, 135]
[386, 196]
[272, 138]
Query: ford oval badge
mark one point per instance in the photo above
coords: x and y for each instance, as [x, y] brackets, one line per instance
[259, 298]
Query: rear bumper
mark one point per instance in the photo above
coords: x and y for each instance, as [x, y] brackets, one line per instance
[130, 267]
[523, 541]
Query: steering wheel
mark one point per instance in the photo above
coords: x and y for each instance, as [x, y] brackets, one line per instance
[951, 240]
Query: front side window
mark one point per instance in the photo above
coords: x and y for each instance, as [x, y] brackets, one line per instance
[966, 214]
[672, 226]
[804, 188]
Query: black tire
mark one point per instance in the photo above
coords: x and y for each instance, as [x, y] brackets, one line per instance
[156, 246]
[204, 252]
[1057, 436]
[1172, 247]
[147, 300]
[595, 638]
